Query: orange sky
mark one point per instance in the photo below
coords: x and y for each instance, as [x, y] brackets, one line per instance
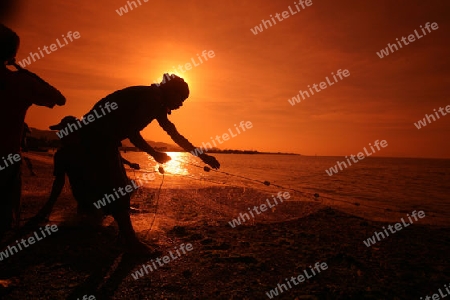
[252, 76]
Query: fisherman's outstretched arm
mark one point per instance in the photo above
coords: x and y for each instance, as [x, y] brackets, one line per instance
[132, 165]
[38, 90]
[181, 141]
[172, 131]
[125, 162]
[137, 140]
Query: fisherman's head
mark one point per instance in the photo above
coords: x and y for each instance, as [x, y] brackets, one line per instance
[175, 91]
[67, 137]
[9, 44]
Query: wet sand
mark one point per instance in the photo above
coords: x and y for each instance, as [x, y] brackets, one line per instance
[226, 263]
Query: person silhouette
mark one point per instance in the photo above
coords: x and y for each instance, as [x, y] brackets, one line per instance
[71, 160]
[135, 108]
[19, 90]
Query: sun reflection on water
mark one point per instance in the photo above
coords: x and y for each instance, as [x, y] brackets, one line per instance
[176, 166]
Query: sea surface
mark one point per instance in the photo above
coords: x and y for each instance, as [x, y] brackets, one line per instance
[373, 184]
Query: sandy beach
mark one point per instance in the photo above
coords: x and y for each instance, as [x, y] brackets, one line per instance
[225, 263]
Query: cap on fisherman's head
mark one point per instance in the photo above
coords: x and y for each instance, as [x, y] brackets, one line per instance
[64, 122]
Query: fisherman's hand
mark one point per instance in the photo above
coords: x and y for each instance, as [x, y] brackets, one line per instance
[210, 160]
[161, 157]
[135, 166]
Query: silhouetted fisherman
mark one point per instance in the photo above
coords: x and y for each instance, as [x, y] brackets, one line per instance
[137, 106]
[18, 91]
[71, 159]
[24, 147]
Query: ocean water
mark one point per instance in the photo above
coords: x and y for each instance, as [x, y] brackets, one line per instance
[376, 184]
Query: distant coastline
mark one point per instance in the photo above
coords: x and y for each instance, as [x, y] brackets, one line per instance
[43, 140]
